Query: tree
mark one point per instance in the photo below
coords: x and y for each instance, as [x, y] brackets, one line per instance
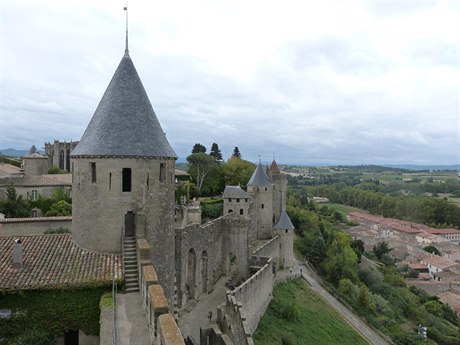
[236, 153]
[432, 249]
[200, 166]
[237, 171]
[215, 152]
[61, 208]
[14, 206]
[198, 148]
[380, 249]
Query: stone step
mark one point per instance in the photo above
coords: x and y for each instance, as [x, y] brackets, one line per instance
[131, 290]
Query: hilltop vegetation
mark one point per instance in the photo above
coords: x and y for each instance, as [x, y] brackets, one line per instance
[297, 316]
[379, 294]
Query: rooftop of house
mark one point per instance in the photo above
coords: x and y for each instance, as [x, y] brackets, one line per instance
[443, 231]
[8, 169]
[34, 219]
[46, 180]
[51, 261]
[450, 298]
[438, 261]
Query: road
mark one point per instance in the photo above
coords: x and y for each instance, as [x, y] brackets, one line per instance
[368, 333]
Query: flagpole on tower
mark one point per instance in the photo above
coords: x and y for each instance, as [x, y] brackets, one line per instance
[126, 9]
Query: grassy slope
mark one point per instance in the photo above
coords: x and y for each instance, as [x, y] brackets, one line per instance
[318, 323]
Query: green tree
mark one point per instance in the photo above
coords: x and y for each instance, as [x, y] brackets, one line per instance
[215, 152]
[380, 249]
[432, 249]
[236, 153]
[14, 205]
[54, 170]
[237, 171]
[200, 166]
[61, 208]
[198, 148]
[341, 261]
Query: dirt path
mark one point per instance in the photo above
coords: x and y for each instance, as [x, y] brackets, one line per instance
[368, 333]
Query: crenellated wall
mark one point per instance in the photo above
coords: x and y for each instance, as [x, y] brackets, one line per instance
[270, 248]
[163, 328]
[245, 305]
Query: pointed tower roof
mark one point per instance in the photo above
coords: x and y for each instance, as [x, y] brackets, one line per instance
[124, 124]
[274, 169]
[259, 177]
[284, 223]
[33, 153]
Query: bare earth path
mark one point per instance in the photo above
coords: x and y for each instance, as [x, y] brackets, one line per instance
[368, 333]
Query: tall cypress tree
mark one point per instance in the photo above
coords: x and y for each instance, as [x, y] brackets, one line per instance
[215, 152]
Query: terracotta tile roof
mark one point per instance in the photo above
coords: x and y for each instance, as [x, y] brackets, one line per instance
[443, 231]
[451, 299]
[48, 180]
[9, 169]
[438, 261]
[54, 260]
[33, 219]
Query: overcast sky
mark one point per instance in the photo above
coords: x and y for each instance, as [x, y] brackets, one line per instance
[315, 82]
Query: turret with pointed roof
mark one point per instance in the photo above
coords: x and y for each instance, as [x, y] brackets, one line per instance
[123, 180]
[124, 124]
[259, 178]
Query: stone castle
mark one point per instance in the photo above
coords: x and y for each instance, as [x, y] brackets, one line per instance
[123, 188]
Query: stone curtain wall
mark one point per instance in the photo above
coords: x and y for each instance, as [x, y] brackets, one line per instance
[269, 249]
[203, 244]
[245, 305]
[162, 325]
[32, 226]
[255, 294]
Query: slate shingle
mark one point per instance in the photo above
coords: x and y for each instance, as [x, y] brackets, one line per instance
[124, 124]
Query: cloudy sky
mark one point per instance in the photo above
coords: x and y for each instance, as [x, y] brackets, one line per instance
[315, 82]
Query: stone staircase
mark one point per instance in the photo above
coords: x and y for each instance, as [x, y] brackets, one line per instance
[130, 265]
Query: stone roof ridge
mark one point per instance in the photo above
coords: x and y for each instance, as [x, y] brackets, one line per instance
[124, 123]
[284, 223]
[235, 192]
[259, 177]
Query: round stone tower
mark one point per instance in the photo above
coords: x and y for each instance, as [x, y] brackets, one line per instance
[261, 188]
[34, 164]
[123, 176]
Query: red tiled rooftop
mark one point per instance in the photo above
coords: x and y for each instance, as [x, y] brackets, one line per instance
[54, 260]
[438, 261]
[34, 219]
[443, 231]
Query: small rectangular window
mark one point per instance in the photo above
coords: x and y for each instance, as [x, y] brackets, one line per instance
[162, 172]
[229, 199]
[245, 200]
[34, 194]
[262, 206]
[126, 177]
[237, 200]
[110, 181]
[148, 181]
[93, 172]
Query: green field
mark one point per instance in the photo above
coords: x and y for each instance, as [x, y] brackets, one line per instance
[343, 208]
[311, 321]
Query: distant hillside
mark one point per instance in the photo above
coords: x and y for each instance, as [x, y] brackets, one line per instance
[13, 152]
[425, 167]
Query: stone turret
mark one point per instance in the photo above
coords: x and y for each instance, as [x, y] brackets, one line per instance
[34, 164]
[261, 189]
[123, 176]
[285, 230]
[280, 182]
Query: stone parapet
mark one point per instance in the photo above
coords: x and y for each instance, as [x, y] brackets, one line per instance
[168, 331]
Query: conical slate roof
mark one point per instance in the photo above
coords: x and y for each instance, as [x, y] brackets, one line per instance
[284, 223]
[124, 123]
[259, 177]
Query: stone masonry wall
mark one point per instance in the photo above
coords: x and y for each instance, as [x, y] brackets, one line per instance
[245, 305]
[32, 226]
[201, 243]
[270, 248]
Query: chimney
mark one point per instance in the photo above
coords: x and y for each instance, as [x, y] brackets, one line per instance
[17, 254]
